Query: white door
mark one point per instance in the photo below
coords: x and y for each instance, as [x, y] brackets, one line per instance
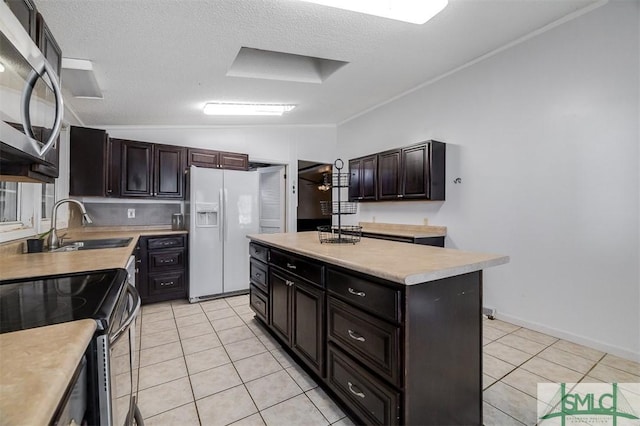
[272, 199]
[205, 232]
[240, 219]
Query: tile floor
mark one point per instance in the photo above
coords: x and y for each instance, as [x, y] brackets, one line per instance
[212, 364]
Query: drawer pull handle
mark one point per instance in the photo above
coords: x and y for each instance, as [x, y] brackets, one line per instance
[356, 393]
[164, 284]
[289, 283]
[355, 336]
[258, 274]
[357, 293]
[290, 266]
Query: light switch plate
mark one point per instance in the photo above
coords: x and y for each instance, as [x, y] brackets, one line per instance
[131, 213]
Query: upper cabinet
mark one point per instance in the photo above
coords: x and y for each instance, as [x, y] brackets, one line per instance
[217, 159]
[25, 11]
[415, 172]
[104, 167]
[151, 170]
[48, 45]
[91, 164]
[363, 178]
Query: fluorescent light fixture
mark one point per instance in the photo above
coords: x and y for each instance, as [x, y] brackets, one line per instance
[413, 11]
[79, 79]
[220, 108]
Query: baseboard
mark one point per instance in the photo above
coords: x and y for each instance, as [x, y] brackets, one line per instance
[561, 334]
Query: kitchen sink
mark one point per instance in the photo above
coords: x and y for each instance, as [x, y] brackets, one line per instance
[94, 244]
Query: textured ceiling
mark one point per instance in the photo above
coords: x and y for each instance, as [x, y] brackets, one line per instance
[159, 61]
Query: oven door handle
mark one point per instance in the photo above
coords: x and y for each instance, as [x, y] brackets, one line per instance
[132, 315]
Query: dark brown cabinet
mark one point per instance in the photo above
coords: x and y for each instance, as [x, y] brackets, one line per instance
[217, 159]
[163, 271]
[297, 312]
[415, 172]
[91, 164]
[389, 187]
[25, 11]
[391, 353]
[259, 281]
[151, 170]
[293, 307]
[48, 45]
[363, 179]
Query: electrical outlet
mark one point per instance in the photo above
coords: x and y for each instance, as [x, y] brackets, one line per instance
[131, 213]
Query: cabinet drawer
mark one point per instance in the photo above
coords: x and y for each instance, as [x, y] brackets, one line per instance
[259, 252]
[170, 282]
[371, 296]
[165, 242]
[371, 399]
[372, 341]
[258, 274]
[166, 259]
[259, 304]
[303, 268]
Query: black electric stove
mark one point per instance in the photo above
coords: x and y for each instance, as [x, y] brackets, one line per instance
[36, 302]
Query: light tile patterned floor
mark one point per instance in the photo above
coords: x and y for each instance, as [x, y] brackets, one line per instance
[212, 364]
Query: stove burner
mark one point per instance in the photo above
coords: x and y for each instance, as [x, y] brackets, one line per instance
[52, 300]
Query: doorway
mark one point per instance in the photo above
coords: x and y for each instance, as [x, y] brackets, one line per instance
[314, 186]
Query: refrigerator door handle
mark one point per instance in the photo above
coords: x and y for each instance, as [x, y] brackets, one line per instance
[223, 218]
[226, 230]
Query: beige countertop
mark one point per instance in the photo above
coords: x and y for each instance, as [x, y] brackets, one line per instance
[399, 262]
[402, 230]
[14, 265]
[36, 366]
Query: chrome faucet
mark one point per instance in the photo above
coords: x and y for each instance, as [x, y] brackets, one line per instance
[53, 242]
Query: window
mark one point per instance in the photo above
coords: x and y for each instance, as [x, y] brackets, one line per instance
[48, 200]
[9, 202]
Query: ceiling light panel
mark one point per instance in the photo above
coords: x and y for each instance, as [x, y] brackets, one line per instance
[413, 11]
[223, 108]
[270, 65]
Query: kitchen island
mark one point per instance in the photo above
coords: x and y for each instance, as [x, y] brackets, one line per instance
[393, 331]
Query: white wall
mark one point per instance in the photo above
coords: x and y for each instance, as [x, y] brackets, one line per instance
[545, 138]
[271, 144]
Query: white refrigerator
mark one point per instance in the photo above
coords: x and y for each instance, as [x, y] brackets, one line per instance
[222, 209]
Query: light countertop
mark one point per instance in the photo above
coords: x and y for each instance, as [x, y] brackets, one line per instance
[36, 366]
[15, 265]
[402, 230]
[398, 262]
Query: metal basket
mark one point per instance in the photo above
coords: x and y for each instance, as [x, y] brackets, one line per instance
[340, 180]
[339, 234]
[338, 207]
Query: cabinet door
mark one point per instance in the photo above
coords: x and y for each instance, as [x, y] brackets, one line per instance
[25, 11]
[169, 171]
[52, 157]
[234, 161]
[203, 158]
[136, 169]
[88, 162]
[415, 172]
[280, 305]
[389, 175]
[354, 179]
[308, 331]
[48, 45]
[369, 177]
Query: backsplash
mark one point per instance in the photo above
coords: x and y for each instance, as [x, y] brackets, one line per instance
[116, 214]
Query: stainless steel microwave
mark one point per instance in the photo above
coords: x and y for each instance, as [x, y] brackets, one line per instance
[30, 97]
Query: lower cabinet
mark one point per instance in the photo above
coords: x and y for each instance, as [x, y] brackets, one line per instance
[389, 353]
[297, 313]
[163, 273]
